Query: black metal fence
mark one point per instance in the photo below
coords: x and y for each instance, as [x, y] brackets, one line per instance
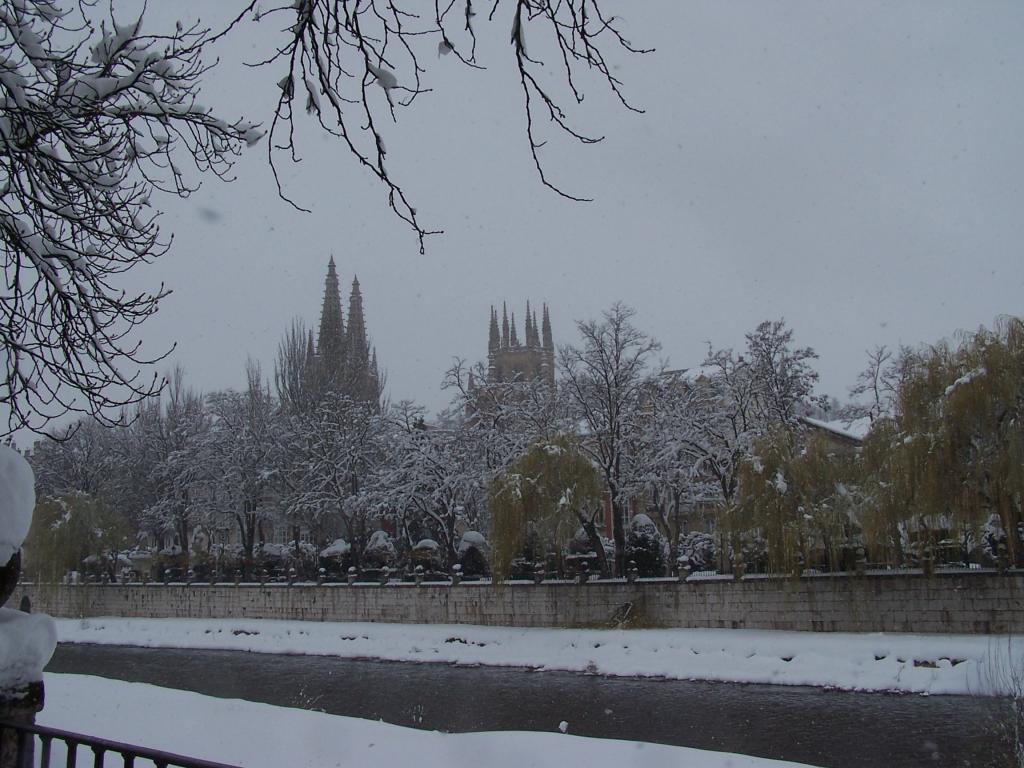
[25, 746]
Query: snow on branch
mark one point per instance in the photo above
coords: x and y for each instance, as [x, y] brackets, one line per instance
[93, 119]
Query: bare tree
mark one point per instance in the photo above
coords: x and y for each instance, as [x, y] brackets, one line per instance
[352, 64]
[295, 370]
[604, 380]
[878, 385]
[93, 119]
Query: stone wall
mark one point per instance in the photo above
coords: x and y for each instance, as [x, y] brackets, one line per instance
[964, 602]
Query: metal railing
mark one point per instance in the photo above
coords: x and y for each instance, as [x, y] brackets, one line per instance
[24, 745]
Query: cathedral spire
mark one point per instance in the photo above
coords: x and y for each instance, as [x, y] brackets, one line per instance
[330, 344]
[536, 330]
[514, 338]
[494, 340]
[375, 381]
[358, 351]
[504, 326]
[549, 344]
[529, 326]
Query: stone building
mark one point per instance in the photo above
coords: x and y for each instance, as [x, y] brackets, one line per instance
[509, 359]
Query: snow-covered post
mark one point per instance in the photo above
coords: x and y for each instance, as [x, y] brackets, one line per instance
[928, 561]
[632, 572]
[26, 640]
[456, 574]
[684, 573]
[583, 573]
[538, 574]
[860, 564]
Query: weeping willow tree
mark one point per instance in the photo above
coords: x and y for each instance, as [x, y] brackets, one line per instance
[952, 457]
[67, 530]
[803, 497]
[540, 501]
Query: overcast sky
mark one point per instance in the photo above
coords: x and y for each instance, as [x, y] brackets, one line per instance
[853, 167]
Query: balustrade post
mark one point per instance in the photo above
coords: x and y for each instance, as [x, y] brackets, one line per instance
[20, 703]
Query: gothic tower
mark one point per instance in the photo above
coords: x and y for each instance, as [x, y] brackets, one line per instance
[330, 343]
[345, 361]
[508, 359]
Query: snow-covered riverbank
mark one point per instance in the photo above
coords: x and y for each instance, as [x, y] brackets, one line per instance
[257, 735]
[932, 664]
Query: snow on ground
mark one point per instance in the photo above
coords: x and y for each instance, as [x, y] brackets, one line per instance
[254, 735]
[962, 664]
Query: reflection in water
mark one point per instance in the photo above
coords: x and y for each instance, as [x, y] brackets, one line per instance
[826, 728]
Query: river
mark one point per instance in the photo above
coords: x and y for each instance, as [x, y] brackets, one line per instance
[826, 728]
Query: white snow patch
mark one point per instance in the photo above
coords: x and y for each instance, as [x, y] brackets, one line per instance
[853, 429]
[17, 501]
[338, 548]
[864, 662]
[256, 735]
[967, 378]
[471, 540]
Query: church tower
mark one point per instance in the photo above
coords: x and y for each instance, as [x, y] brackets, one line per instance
[330, 343]
[509, 360]
[345, 362]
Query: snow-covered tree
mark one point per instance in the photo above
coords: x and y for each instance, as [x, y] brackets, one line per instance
[504, 418]
[783, 374]
[741, 397]
[666, 467]
[95, 116]
[172, 432]
[83, 461]
[431, 481]
[604, 379]
[238, 460]
[327, 454]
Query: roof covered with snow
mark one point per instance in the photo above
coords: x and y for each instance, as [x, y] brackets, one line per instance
[854, 430]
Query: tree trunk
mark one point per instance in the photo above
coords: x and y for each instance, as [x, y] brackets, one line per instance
[595, 539]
